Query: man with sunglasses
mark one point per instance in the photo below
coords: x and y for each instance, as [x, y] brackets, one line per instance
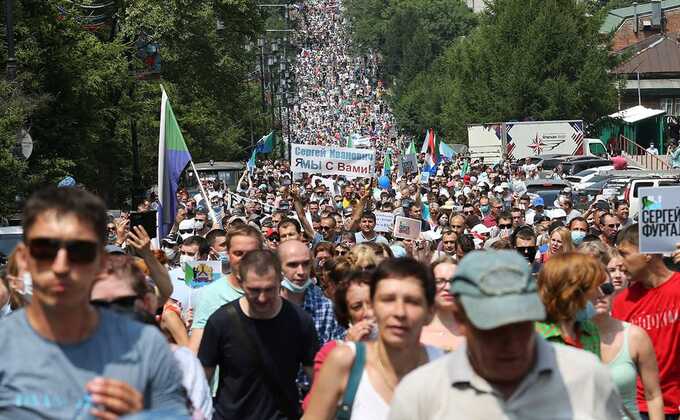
[610, 225]
[83, 360]
[504, 369]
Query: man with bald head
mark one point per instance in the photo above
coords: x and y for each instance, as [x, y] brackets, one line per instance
[297, 287]
[457, 224]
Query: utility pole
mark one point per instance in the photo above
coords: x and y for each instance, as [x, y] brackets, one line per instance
[9, 28]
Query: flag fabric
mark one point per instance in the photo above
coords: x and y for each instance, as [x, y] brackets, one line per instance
[173, 157]
[465, 169]
[432, 152]
[266, 143]
[426, 143]
[350, 142]
[251, 162]
[411, 149]
[387, 164]
[446, 150]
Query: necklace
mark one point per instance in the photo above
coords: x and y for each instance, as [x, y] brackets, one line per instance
[383, 371]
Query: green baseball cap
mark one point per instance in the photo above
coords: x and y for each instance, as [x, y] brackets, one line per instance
[496, 288]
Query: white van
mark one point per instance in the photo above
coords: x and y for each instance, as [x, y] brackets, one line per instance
[632, 196]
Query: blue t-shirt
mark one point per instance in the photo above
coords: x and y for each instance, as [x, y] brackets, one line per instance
[42, 379]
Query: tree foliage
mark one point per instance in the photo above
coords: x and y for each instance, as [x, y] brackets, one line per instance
[77, 90]
[526, 60]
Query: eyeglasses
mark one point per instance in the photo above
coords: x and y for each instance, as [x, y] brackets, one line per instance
[469, 212]
[186, 231]
[441, 282]
[340, 252]
[124, 302]
[322, 227]
[79, 252]
[614, 225]
[505, 226]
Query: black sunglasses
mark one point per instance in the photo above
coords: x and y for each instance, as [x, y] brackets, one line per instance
[124, 302]
[505, 226]
[79, 252]
[186, 231]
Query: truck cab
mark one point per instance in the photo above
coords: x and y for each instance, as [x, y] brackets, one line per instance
[595, 147]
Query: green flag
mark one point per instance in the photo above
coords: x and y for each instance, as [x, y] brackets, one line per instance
[387, 164]
[411, 148]
[266, 143]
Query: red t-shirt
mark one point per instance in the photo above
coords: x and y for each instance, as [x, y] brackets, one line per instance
[318, 361]
[657, 311]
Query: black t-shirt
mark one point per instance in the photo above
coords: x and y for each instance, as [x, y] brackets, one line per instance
[289, 339]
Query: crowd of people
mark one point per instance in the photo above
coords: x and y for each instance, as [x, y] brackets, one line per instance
[339, 95]
[502, 306]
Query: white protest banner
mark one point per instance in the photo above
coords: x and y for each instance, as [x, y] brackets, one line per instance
[361, 142]
[409, 164]
[383, 221]
[659, 219]
[406, 228]
[329, 160]
[200, 273]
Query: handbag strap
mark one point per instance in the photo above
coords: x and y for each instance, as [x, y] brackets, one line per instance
[252, 345]
[345, 409]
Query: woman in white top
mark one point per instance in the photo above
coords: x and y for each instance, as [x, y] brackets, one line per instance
[443, 332]
[402, 296]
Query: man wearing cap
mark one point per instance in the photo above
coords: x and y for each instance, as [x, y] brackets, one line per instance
[504, 369]
[537, 208]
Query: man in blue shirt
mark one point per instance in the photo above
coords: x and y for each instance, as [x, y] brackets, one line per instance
[83, 360]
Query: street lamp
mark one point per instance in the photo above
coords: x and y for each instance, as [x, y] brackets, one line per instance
[9, 33]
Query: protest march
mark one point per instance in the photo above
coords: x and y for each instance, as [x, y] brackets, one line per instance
[347, 271]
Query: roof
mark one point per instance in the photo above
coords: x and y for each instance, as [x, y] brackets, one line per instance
[662, 56]
[616, 17]
[219, 166]
[637, 113]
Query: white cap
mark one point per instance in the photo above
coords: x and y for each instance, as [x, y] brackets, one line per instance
[498, 189]
[480, 228]
[557, 213]
[505, 185]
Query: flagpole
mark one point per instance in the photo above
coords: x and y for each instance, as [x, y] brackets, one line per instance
[205, 196]
[161, 163]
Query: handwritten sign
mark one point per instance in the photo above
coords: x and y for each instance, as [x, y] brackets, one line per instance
[406, 228]
[201, 273]
[325, 160]
[409, 164]
[383, 221]
[659, 219]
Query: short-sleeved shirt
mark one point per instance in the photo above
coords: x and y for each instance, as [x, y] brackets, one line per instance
[657, 311]
[563, 383]
[289, 339]
[379, 239]
[40, 378]
[211, 297]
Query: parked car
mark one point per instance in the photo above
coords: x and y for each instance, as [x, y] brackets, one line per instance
[573, 167]
[548, 189]
[10, 236]
[586, 177]
[659, 179]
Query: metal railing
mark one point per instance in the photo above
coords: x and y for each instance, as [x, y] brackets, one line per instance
[638, 154]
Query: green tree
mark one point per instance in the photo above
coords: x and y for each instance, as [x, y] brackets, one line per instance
[535, 59]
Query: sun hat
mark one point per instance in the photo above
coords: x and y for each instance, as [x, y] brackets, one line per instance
[496, 288]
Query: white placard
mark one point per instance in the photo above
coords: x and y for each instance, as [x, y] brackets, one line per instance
[383, 221]
[659, 219]
[406, 228]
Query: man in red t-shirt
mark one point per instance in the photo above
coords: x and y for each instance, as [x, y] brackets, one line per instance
[652, 302]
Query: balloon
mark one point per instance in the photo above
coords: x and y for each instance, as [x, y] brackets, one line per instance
[384, 182]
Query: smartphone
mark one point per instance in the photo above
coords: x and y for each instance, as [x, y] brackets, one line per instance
[146, 219]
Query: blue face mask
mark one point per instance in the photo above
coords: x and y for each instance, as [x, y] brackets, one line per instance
[294, 288]
[586, 313]
[577, 237]
[484, 208]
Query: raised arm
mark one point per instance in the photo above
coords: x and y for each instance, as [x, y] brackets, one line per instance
[300, 211]
[140, 241]
[645, 359]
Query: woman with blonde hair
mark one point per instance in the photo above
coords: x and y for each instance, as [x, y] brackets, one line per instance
[560, 242]
[364, 257]
[567, 284]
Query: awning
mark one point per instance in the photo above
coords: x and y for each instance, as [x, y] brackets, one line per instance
[637, 113]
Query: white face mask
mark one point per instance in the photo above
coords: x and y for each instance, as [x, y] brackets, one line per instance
[28, 284]
[183, 259]
[198, 225]
[170, 253]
